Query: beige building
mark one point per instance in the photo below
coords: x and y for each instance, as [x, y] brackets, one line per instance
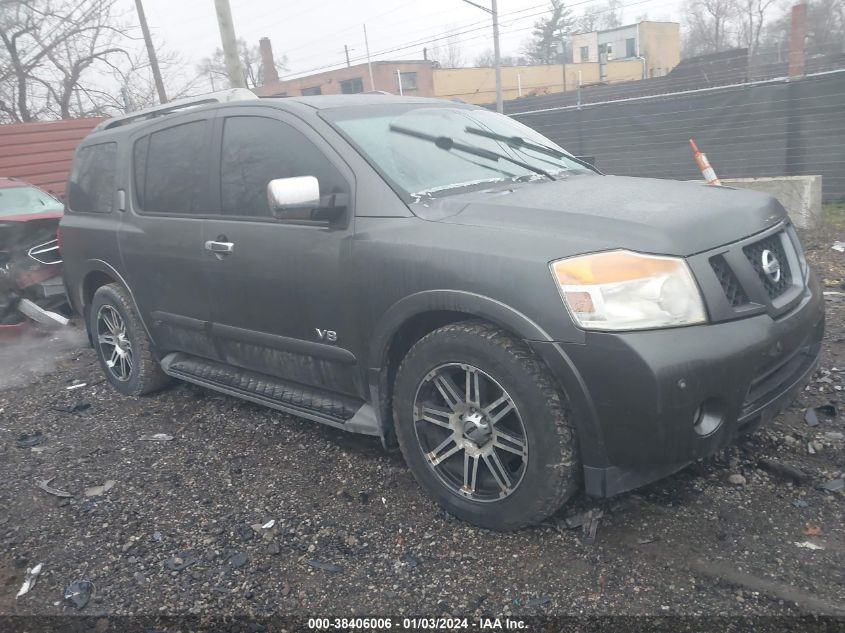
[416, 78]
[626, 53]
[478, 85]
[656, 45]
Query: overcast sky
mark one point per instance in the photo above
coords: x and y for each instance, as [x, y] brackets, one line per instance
[312, 34]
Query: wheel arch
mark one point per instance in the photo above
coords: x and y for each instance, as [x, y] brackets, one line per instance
[411, 318]
[101, 274]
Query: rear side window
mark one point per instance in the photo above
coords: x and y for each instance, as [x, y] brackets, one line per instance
[170, 169]
[91, 185]
[257, 150]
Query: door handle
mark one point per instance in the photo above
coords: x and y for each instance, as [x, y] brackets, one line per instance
[219, 248]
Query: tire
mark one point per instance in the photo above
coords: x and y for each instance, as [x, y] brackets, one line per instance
[129, 365]
[532, 438]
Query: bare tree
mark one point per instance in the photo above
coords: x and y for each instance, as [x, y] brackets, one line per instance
[136, 83]
[548, 31]
[752, 15]
[214, 68]
[51, 53]
[711, 26]
[449, 53]
[485, 60]
[600, 17]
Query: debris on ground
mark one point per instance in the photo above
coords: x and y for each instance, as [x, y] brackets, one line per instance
[76, 386]
[329, 567]
[78, 593]
[30, 580]
[784, 471]
[28, 440]
[537, 602]
[181, 561]
[838, 246]
[47, 318]
[156, 437]
[832, 485]
[737, 480]
[811, 415]
[827, 410]
[45, 486]
[812, 530]
[808, 545]
[236, 560]
[96, 491]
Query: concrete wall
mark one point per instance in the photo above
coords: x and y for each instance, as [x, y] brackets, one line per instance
[660, 44]
[384, 78]
[624, 70]
[478, 85]
[801, 196]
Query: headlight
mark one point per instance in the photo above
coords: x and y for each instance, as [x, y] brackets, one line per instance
[621, 290]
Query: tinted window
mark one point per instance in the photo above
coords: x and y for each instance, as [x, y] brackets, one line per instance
[630, 47]
[170, 169]
[257, 150]
[91, 185]
[352, 86]
[409, 81]
[310, 92]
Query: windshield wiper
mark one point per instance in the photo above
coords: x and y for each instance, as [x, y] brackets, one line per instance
[449, 144]
[517, 142]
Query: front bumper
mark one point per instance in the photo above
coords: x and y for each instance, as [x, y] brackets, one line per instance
[636, 396]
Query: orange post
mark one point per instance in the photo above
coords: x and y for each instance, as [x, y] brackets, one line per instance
[704, 165]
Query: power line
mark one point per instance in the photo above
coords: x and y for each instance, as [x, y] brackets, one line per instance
[484, 26]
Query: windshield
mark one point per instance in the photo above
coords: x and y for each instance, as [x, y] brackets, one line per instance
[419, 166]
[26, 201]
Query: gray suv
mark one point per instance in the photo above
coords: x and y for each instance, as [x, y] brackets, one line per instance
[444, 278]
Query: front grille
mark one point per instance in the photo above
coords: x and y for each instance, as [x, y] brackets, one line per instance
[754, 253]
[730, 284]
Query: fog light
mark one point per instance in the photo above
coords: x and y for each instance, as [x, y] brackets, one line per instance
[708, 417]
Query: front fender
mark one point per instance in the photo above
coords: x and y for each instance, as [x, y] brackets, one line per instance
[480, 306]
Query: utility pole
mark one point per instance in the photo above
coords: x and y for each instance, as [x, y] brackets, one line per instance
[346, 50]
[151, 52]
[230, 44]
[369, 64]
[497, 57]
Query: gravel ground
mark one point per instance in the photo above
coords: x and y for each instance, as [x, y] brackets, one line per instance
[185, 528]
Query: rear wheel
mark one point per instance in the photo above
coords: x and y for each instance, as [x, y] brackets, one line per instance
[483, 427]
[122, 344]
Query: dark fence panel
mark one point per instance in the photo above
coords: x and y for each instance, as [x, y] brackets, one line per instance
[766, 129]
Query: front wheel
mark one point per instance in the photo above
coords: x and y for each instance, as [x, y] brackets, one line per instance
[483, 427]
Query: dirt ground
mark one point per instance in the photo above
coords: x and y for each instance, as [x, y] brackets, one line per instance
[354, 534]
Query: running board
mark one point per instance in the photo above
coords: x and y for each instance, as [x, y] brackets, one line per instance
[315, 404]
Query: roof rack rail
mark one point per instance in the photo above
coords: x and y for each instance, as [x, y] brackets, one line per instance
[222, 96]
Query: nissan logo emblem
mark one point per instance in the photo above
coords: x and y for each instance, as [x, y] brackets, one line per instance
[771, 265]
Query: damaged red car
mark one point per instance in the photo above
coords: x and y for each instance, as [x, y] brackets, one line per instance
[31, 287]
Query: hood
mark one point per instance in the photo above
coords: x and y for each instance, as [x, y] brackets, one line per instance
[591, 213]
[19, 233]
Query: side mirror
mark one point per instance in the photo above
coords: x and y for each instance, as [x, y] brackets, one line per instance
[290, 198]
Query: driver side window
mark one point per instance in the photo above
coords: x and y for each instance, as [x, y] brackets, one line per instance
[257, 150]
